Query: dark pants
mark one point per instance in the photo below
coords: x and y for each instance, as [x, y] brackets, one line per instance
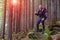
[38, 22]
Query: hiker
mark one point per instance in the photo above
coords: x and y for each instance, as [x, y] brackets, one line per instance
[42, 17]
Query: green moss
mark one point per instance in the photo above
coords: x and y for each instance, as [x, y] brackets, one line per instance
[47, 31]
[50, 38]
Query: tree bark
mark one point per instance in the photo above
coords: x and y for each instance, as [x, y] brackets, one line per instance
[10, 21]
[4, 20]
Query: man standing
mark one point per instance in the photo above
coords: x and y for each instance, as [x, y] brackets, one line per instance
[42, 17]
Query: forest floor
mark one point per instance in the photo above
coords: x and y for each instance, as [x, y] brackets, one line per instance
[25, 38]
[54, 37]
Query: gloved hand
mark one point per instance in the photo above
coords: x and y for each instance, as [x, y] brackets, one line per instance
[36, 13]
[42, 19]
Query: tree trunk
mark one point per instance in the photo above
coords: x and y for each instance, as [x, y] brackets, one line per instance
[4, 20]
[9, 37]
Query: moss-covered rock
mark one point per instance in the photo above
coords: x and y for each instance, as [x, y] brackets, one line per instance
[37, 36]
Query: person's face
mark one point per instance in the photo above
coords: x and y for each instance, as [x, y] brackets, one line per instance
[40, 6]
